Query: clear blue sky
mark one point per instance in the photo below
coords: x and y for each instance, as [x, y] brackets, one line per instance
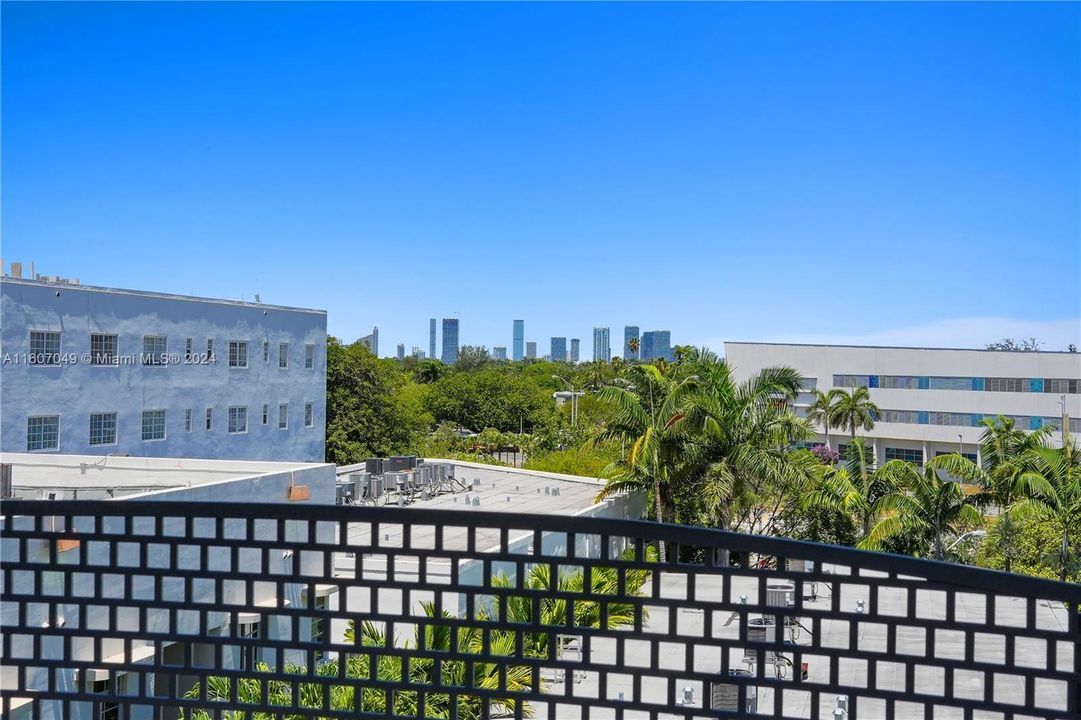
[734, 171]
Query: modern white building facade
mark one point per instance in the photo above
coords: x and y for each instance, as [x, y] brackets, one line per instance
[931, 400]
[101, 371]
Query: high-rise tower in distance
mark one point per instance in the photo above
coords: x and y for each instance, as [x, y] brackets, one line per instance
[630, 332]
[431, 338]
[518, 346]
[450, 341]
[602, 344]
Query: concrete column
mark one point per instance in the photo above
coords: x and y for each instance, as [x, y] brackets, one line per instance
[926, 452]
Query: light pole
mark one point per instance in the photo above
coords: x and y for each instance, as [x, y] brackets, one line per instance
[961, 443]
[574, 398]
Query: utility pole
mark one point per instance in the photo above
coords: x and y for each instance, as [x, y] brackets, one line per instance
[1065, 419]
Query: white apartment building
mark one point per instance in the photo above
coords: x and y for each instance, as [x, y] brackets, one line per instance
[932, 400]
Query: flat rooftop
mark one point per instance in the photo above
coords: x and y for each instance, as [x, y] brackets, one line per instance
[96, 477]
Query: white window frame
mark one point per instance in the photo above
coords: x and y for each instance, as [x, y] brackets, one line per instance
[283, 416]
[189, 348]
[266, 413]
[210, 349]
[237, 414]
[143, 425]
[266, 352]
[309, 414]
[187, 420]
[283, 356]
[43, 354]
[209, 419]
[42, 434]
[107, 350]
[155, 357]
[102, 418]
[309, 357]
[238, 353]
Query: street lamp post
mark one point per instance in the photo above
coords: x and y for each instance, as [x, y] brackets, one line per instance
[574, 398]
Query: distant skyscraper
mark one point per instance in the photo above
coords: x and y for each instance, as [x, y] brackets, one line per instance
[450, 341]
[431, 338]
[372, 341]
[499, 352]
[418, 353]
[657, 344]
[558, 351]
[602, 344]
[630, 332]
[531, 350]
[401, 351]
[576, 346]
[519, 340]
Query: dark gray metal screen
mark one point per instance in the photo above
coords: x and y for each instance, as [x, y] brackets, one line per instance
[119, 609]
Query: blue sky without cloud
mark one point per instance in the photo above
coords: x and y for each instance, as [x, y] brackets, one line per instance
[906, 172]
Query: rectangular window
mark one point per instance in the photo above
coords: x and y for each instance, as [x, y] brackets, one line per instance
[106, 709]
[103, 428]
[44, 347]
[906, 454]
[210, 350]
[944, 418]
[188, 348]
[1062, 386]
[209, 419]
[319, 624]
[283, 416]
[43, 433]
[308, 415]
[949, 383]
[909, 417]
[900, 382]
[851, 381]
[187, 420]
[266, 413]
[238, 353]
[1006, 385]
[103, 349]
[309, 357]
[971, 457]
[154, 350]
[238, 419]
[153, 424]
[283, 355]
[266, 352]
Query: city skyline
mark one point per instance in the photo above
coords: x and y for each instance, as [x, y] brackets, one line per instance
[705, 154]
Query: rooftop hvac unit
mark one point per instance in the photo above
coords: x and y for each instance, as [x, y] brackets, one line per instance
[725, 696]
[399, 463]
[799, 565]
[344, 493]
[360, 482]
[6, 489]
[374, 465]
[760, 629]
[376, 487]
[782, 595]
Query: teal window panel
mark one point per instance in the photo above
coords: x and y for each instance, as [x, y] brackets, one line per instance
[1035, 423]
[1035, 385]
[924, 383]
[976, 419]
[923, 417]
[977, 384]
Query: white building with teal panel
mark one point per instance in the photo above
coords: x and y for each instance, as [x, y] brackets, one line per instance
[102, 371]
[932, 400]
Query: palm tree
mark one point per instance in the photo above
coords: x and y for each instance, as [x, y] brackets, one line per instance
[1055, 480]
[738, 436]
[823, 409]
[921, 510]
[855, 487]
[643, 414]
[633, 345]
[1004, 477]
[853, 410]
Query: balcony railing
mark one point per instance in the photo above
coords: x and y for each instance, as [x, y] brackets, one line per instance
[160, 609]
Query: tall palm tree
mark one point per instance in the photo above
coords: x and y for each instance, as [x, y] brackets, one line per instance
[1004, 476]
[1055, 479]
[823, 409]
[738, 435]
[633, 345]
[643, 413]
[854, 410]
[923, 509]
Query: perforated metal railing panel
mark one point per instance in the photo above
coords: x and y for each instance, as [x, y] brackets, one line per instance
[153, 609]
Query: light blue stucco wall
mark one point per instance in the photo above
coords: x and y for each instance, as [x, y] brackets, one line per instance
[76, 389]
